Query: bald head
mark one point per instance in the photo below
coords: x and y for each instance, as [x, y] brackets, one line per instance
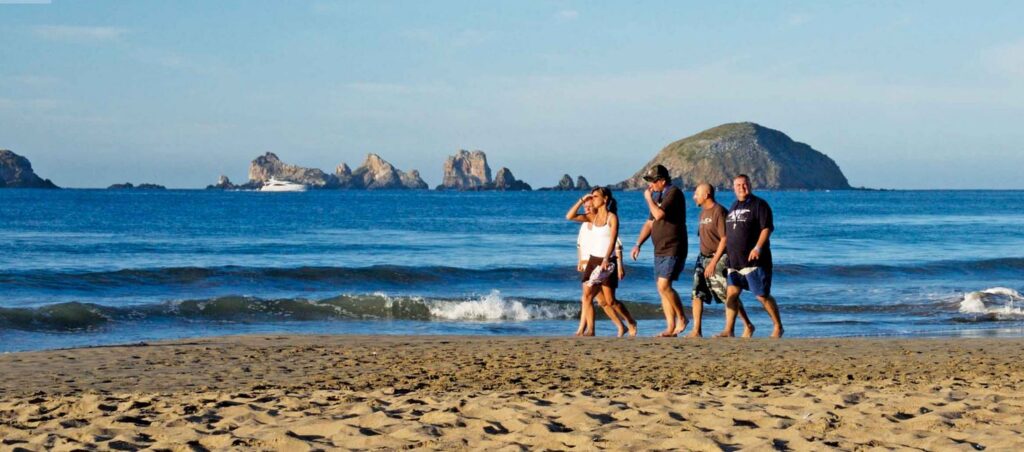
[707, 190]
[704, 194]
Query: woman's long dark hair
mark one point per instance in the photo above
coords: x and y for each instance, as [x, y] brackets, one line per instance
[611, 204]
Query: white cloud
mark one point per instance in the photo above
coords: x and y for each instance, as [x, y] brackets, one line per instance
[796, 20]
[1006, 59]
[568, 14]
[31, 80]
[71, 33]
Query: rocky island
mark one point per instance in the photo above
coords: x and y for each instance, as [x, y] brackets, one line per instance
[130, 186]
[769, 157]
[374, 174]
[469, 171]
[566, 184]
[16, 172]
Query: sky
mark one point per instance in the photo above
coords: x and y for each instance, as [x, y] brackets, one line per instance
[908, 94]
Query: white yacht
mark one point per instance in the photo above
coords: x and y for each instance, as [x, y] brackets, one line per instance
[281, 185]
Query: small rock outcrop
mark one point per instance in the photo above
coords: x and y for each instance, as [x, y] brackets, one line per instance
[16, 172]
[466, 171]
[566, 184]
[377, 174]
[344, 175]
[269, 166]
[769, 157]
[582, 184]
[223, 183]
[505, 181]
[130, 186]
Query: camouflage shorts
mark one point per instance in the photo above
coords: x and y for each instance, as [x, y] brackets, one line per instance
[707, 288]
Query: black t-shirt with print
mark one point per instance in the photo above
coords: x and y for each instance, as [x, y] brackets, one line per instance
[743, 227]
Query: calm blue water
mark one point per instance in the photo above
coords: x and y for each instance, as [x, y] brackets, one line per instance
[88, 267]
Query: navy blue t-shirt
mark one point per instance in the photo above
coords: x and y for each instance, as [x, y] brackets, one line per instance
[743, 227]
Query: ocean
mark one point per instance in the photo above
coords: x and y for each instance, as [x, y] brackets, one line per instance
[96, 267]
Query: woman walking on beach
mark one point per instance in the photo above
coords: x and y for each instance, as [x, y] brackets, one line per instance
[601, 274]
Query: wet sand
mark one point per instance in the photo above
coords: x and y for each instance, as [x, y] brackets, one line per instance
[452, 393]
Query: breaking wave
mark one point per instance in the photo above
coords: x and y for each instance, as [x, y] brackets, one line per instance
[997, 303]
[76, 316]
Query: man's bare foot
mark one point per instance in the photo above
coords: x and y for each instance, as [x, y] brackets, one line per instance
[666, 333]
[748, 331]
[695, 333]
[777, 333]
[725, 334]
[632, 329]
[578, 334]
[589, 334]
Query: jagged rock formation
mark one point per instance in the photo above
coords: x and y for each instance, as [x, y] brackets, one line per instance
[469, 171]
[769, 157]
[566, 184]
[16, 172]
[269, 166]
[466, 171]
[223, 183]
[344, 175]
[505, 181]
[582, 184]
[377, 174]
[129, 186]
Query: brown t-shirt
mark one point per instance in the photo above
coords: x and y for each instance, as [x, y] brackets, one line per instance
[669, 233]
[711, 228]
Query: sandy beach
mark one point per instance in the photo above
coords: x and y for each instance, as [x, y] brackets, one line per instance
[445, 393]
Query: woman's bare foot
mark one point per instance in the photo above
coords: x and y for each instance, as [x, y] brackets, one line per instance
[682, 327]
[695, 333]
[777, 333]
[632, 329]
[748, 331]
[725, 334]
[621, 332]
[666, 333]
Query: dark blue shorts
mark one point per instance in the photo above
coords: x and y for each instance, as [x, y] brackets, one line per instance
[669, 267]
[758, 282]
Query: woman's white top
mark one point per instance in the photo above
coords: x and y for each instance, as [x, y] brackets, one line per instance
[594, 240]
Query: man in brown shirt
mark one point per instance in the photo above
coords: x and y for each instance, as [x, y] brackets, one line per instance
[709, 274]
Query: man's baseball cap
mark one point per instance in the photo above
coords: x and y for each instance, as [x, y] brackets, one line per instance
[656, 172]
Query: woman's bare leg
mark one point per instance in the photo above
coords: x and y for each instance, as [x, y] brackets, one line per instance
[608, 304]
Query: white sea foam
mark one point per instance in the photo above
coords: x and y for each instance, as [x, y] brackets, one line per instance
[999, 301]
[494, 307]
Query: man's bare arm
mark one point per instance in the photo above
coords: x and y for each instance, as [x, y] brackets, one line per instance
[645, 232]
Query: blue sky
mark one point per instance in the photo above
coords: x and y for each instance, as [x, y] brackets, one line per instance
[901, 94]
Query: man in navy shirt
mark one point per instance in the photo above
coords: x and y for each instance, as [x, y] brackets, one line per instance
[748, 228]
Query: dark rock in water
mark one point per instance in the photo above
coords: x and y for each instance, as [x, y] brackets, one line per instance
[566, 184]
[16, 172]
[377, 174]
[129, 186]
[582, 184]
[466, 171]
[223, 183]
[269, 166]
[505, 181]
[769, 157]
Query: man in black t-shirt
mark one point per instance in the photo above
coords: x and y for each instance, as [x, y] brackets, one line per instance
[666, 226]
[747, 229]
